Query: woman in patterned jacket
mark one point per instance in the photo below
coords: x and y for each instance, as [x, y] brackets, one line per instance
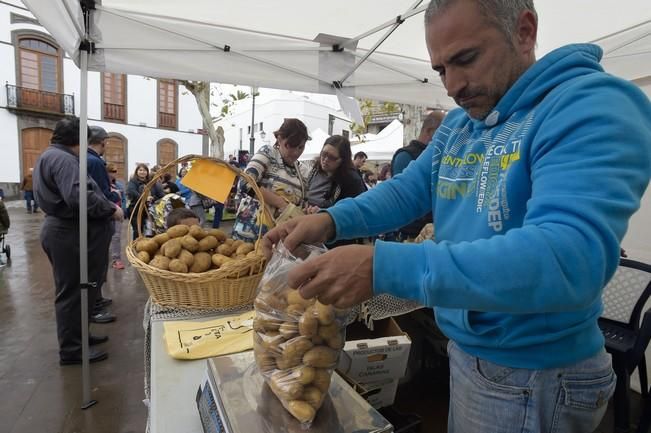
[277, 172]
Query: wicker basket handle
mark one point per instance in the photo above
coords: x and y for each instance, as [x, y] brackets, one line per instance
[146, 192]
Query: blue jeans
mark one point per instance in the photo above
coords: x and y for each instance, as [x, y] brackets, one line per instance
[486, 397]
[29, 198]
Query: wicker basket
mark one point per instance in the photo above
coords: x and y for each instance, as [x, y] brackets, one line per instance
[231, 285]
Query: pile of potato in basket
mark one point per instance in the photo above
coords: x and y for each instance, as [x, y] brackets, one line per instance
[186, 249]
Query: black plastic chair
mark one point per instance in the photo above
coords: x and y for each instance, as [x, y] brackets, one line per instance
[627, 336]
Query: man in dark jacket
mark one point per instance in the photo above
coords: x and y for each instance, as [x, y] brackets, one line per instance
[97, 171]
[56, 186]
[403, 156]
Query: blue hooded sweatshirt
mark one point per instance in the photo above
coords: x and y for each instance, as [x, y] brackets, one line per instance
[530, 205]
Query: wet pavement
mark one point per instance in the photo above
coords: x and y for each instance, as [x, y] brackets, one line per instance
[38, 395]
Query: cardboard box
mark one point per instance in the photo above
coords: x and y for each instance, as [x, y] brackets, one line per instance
[377, 356]
[382, 393]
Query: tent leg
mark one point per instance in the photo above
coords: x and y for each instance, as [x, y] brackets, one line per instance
[83, 230]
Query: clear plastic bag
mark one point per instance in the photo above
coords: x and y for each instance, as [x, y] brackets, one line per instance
[296, 341]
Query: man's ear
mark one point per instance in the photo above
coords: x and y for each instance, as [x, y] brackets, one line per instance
[526, 32]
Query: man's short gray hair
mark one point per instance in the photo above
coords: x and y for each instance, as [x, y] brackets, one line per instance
[503, 13]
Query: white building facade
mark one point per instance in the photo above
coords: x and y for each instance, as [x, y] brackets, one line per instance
[148, 120]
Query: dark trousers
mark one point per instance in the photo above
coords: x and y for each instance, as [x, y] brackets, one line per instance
[219, 213]
[29, 199]
[60, 241]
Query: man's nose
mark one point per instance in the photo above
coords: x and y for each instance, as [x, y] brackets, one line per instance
[454, 83]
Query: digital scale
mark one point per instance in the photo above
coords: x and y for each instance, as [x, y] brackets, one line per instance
[235, 399]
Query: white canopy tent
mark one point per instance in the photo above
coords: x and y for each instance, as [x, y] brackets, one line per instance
[366, 48]
[314, 146]
[316, 46]
[384, 144]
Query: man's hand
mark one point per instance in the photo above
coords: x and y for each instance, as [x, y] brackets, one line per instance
[342, 276]
[118, 215]
[308, 229]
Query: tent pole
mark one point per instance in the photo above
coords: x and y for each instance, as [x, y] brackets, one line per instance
[413, 10]
[83, 230]
[399, 20]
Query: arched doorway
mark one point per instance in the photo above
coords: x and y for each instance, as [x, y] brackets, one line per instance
[116, 152]
[167, 151]
[34, 141]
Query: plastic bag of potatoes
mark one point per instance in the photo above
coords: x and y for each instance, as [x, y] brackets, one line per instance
[186, 249]
[296, 341]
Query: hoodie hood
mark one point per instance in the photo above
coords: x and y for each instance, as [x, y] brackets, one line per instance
[556, 68]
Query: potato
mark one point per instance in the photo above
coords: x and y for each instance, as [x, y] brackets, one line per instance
[219, 260]
[143, 256]
[337, 342]
[301, 410]
[304, 374]
[284, 388]
[148, 245]
[271, 342]
[266, 363]
[313, 396]
[320, 357]
[229, 241]
[297, 347]
[173, 248]
[285, 363]
[321, 379]
[325, 314]
[197, 232]
[267, 325]
[225, 249]
[218, 234]
[202, 262]
[288, 330]
[295, 310]
[244, 249]
[178, 231]
[161, 250]
[177, 265]
[237, 242]
[190, 243]
[161, 262]
[161, 238]
[329, 331]
[186, 257]
[294, 297]
[208, 243]
[308, 325]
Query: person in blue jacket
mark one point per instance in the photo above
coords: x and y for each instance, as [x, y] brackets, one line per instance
[531, 183]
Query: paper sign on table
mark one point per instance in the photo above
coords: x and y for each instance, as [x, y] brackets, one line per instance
[210, 179]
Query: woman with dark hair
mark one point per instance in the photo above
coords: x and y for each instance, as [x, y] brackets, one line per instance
[277, 172]
[135, 188]
[332, 176]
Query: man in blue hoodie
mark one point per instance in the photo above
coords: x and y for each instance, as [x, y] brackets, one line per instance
[531, 184]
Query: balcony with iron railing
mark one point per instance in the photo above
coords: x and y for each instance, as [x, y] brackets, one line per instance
[40, 101]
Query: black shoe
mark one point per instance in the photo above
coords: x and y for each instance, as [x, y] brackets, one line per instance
[95, 356]
[97, 339]
[103, 302]
[103, 317]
